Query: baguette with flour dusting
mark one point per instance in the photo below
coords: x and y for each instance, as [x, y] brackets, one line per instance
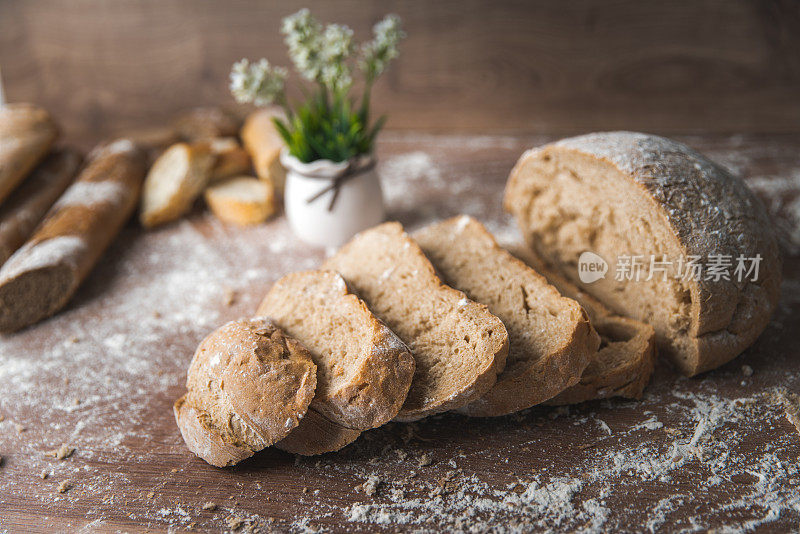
[26, 134]
[41, 277]
[29, 203]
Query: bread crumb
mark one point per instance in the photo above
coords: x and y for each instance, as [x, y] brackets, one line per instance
[151, 494]
[401, 454]
[370, 486]
[209, 506]
[791, 405]
[44, 474]
[173, 470]
[20, 428]
[747, 370]
[230, 297]
[156, 314]
[425, 460]
[2, 418]
[234, 522]
[64, 451]
[74, 339]
[305, 490]
[2, 461]
[65, 486]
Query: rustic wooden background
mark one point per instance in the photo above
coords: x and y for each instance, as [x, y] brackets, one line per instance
[468, 65]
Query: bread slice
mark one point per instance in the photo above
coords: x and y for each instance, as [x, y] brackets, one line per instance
[249, 386]
[230, 158]
[626, 358]
[550, 338]
[242, 200]
[459, 347]
[626, 196]
[264, 144]
[364, 371]
[175, 180]
[316, 434]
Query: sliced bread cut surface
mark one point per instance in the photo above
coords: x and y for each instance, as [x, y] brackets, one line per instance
[364, 370]
[174, 181]
[550, 338]
[316, 434]
[248, 386]
[624, 363]
[242, 200]
[649, 205]
[459, 347]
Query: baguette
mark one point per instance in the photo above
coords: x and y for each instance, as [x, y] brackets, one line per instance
[28, 204]
[364, 371]
[626, 195]
[625, 361]
[242, 200]
[41, 277]
[174, 182]
[264, 144]
[459, 347]
[550, 339]
[26, 135]
[248, 386]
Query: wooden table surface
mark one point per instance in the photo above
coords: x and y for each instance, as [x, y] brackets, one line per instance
[711, 451]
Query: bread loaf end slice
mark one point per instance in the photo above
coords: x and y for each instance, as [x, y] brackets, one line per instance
[550, 338]
[459, 347]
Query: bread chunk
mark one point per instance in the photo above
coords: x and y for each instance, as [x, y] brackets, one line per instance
[550, 338]
[459, 347]
[622, 195]
[175, 180]
[242, 200]
[249, 385]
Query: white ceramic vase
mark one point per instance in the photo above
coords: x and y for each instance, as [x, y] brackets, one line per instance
[318, 213]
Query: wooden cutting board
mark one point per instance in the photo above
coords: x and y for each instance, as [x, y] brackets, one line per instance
[101, 377]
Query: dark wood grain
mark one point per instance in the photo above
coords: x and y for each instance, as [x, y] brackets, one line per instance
[125, 366]
[473, 66]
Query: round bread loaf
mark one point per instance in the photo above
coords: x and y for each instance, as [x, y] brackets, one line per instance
[249, 385]
[631, 197]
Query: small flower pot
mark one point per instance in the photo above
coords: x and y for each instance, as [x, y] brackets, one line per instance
[327, 203]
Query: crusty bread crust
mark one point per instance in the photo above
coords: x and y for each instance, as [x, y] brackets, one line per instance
[704, 211]
[41, 277]
[249, 386]
[364, 370]
[550, 338]
[29, 203]
[626, 358]
[264, 144]
[458, 345]
[26, 134]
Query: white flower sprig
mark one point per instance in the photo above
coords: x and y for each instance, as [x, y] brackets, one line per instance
[376, 54]
[259, 83]
[329, 124]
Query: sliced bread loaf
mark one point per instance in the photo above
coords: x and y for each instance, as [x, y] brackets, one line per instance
[364, 371]
[626, 358]
[249, 385]
[459, 347]
[666, 221]
[550, 338]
